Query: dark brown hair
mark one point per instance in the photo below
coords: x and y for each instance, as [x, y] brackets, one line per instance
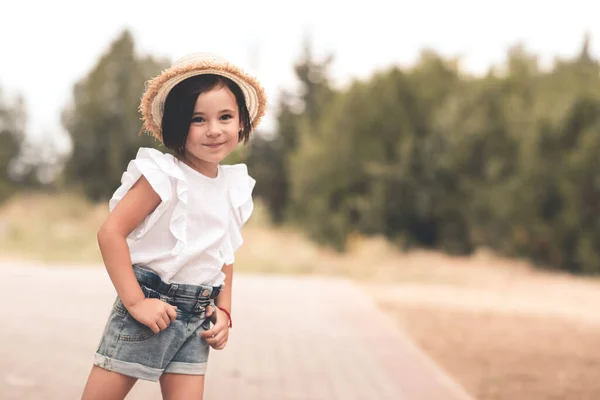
[180, 103]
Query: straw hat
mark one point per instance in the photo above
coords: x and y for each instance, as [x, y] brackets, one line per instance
[153, 101]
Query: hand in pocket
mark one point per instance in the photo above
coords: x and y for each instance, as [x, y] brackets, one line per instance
[154, 313]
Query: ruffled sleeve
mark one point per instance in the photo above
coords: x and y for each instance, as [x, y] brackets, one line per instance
[167, 180]
[240, 186]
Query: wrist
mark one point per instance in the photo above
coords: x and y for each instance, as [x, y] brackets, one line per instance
[131, 301]
[229, 323]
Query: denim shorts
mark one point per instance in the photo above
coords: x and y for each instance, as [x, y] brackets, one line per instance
[131, 348]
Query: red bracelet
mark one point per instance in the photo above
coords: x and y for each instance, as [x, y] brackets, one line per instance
[228, 314]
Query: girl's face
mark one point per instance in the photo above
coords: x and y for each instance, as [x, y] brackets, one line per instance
[214, 130]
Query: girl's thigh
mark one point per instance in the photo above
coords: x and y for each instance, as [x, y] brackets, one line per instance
[181, 386]
[103, 384]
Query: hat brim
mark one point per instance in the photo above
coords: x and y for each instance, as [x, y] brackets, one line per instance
[153, 101]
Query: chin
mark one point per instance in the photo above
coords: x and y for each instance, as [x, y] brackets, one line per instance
[215, 159]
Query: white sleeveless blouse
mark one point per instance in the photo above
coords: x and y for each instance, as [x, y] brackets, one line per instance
[196, 228]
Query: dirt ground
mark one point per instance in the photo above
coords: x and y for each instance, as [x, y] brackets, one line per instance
[504, 332]
[496, 356]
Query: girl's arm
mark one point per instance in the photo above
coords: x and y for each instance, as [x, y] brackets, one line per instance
[131, 210]
[218, 335]
[224, 298]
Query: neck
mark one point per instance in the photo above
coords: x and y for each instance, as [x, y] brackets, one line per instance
[205, 168]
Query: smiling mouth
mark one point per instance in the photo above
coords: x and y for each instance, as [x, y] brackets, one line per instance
[214, 145]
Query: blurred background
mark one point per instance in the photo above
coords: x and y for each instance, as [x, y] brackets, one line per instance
[445, 154]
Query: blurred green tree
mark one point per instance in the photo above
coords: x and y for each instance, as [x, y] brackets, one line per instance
[430, 157]
[103, 119]
[269, 157]
[12, 136]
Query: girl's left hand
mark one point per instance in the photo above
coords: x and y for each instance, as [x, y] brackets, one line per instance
[218, 335]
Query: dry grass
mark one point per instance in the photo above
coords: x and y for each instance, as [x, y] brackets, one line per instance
[501, 328]
[51, 228]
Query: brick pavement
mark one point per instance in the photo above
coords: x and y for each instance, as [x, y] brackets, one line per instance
[293, 338]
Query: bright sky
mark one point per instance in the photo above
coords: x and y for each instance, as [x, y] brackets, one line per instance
[47, 46]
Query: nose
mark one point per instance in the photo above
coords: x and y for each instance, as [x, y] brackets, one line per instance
[213, 129]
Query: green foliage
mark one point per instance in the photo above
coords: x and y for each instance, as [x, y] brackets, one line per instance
[12, 135]
[265, 160]
[269, 159]
[104, 121]
[430, 157]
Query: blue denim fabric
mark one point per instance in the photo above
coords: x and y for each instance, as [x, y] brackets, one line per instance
[131, 348]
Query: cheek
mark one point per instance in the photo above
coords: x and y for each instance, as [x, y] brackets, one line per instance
[193, 135]
[232, 133]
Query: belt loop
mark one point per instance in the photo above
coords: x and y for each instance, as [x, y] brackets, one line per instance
[172, 289]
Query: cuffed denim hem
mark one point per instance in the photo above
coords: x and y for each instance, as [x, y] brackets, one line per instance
[175, 367]
[129, 369]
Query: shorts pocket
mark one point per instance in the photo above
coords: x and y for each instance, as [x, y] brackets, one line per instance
[118, 308]
[134, 331]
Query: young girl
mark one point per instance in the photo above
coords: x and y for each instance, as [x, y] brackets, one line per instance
[169, 241]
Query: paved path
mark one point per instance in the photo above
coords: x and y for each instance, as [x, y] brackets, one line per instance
[293, 338]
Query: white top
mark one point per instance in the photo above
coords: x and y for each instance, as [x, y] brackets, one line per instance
[197, 226]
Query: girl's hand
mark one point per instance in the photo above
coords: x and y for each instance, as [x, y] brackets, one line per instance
[154, 313]
[218, 335]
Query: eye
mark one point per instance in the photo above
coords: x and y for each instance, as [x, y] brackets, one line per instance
[197, 119]
[226, 117]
